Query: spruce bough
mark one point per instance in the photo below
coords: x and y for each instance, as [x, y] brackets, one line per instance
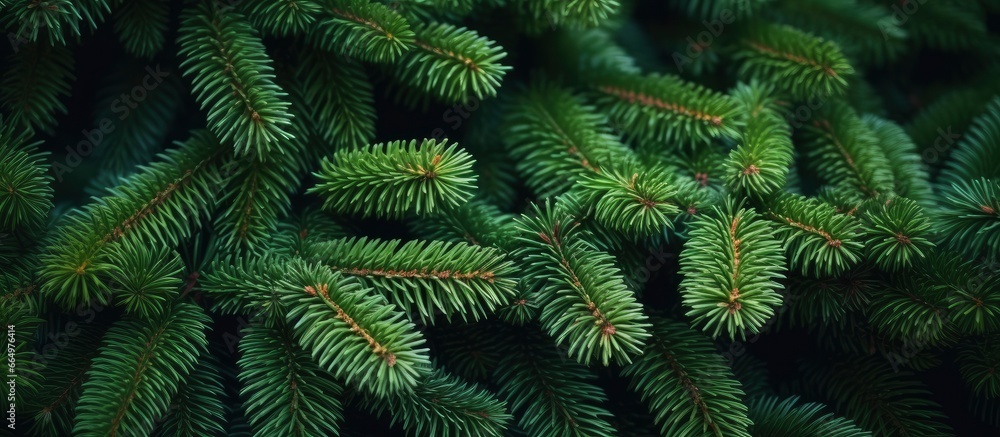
[506, 217]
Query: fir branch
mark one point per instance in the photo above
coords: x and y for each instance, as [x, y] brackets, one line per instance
[868, 33]
[284, 17]
[452, 64]
[879, 399]
[54, 19]
[555, 138]
[233, 80]
[35, 85]
[912, 311]
[396, 178]
[160, 204]
[144, 278]
[633, 200]
[909, 174]
[662, 109]
[477, 223]
[25, 188]
[897, 233]
[730, 265]
[686, 384]
[197, 407]
[816, 237]
[844, 151]
[142, 26]
[584, 300]
[344, 114]
[361, 29]
[978, 360]
[969, 219]
[63, 383]
[256, 194]
[972, 289]
[977, 154]
[425, 277]
[774, 417]
[443, 405]
[141, 366]
[759, 164]
[552, 396]
[351, 332]
[286, 392]
[797, 62]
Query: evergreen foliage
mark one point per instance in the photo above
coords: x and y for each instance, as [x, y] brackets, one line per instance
[501, 217]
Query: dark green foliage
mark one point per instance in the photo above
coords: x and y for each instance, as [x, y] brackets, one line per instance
[443, 405]
[713, 9]
[143, 279]
[158, 204]
[876, 397]
[585, 303]
[53, 412]
[501, 218]
[865, 31]
[222, 52]
[34, 87]
[284, 17]
[909, 175]
[139, 360]
[798, 63]
[477, 223]
[773, 417]
[970, 216]
[361, 29]
[552, 395]
[730, 265]
[759, 164]
[630, 199]
[555, 138]
[25, 188]
[452, 64]
[138, 132]
[972, 289]
[574, 14]
[286, 392]
[397, 178]
[977, 361]
[977, 154]
[912, 311]
[197, 408]
[351, 332]
[257, 194]
[343, 116]
[846, 153]
[816, 238]
[142, 26]
[897, 233]
[687, 386]
[666, 110]
[425, 278]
